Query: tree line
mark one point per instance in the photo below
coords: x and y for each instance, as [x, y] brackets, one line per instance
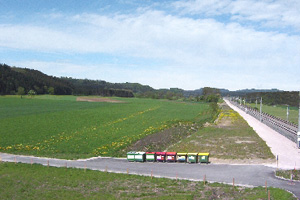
[22, 81]
[275, 98]
[14, 80]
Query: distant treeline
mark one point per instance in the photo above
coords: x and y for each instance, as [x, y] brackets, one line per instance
[275, 98]
[15, 80]
[21, 81]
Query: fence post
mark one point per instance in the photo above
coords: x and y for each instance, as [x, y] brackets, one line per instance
[266, 185]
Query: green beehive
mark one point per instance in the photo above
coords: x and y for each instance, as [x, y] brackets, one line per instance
[140, 156]
[192, 157]
[203, 157]
[130, 156]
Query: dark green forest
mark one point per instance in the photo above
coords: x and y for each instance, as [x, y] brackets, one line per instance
[20, 81]
[14, 80]
[23, 81]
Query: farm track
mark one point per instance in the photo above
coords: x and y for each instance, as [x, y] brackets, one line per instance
[244, 175]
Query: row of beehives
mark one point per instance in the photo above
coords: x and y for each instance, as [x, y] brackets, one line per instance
[138, 156]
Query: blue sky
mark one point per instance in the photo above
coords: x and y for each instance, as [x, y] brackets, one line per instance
[162, 43]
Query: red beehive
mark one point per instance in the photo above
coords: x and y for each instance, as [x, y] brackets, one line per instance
[160, 156]
[171, 156]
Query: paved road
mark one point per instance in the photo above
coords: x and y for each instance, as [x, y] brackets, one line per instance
[246, 175]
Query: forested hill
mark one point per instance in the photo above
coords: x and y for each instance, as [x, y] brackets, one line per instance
[15, 80]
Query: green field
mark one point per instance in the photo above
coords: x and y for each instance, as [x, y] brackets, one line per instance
[60, 126]
[280, 111]
[23, 181]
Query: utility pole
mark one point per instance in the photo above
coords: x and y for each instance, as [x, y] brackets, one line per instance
[256, 103]
[287, 113]
[298, 134]
[260, 110]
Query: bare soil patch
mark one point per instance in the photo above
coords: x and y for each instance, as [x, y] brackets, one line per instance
[163, 139]
[98, 99]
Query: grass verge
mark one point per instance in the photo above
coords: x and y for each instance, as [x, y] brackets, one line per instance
[287, 174]
[229, 138]
[23, 181]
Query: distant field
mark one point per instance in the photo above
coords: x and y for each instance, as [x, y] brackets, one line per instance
[23, 181]
[281, 112]
[60, 126]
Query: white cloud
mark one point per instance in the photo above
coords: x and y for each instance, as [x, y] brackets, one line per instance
[278, 13]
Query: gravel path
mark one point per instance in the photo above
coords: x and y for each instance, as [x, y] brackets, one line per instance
[286, 150]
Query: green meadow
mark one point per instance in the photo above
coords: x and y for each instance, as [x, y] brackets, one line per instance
[60, 126]
[280, 111]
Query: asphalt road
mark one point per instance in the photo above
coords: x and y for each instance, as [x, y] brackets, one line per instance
[244, 175]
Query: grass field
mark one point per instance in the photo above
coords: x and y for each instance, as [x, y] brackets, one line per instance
[23, 181]
[229, 138]
[60, 126]
[281, 112]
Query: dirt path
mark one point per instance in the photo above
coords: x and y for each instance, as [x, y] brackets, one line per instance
[286, 150]
[98, 99]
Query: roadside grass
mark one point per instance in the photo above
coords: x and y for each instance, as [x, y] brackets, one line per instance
[23, 181]
[287, 174]
[61, 127]
[280, 111]
[229, 138]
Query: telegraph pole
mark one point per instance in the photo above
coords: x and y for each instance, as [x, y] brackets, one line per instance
[298, 134]
[287, 113]
[260, 110]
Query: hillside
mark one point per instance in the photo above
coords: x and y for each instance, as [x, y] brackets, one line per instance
[12, 78]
